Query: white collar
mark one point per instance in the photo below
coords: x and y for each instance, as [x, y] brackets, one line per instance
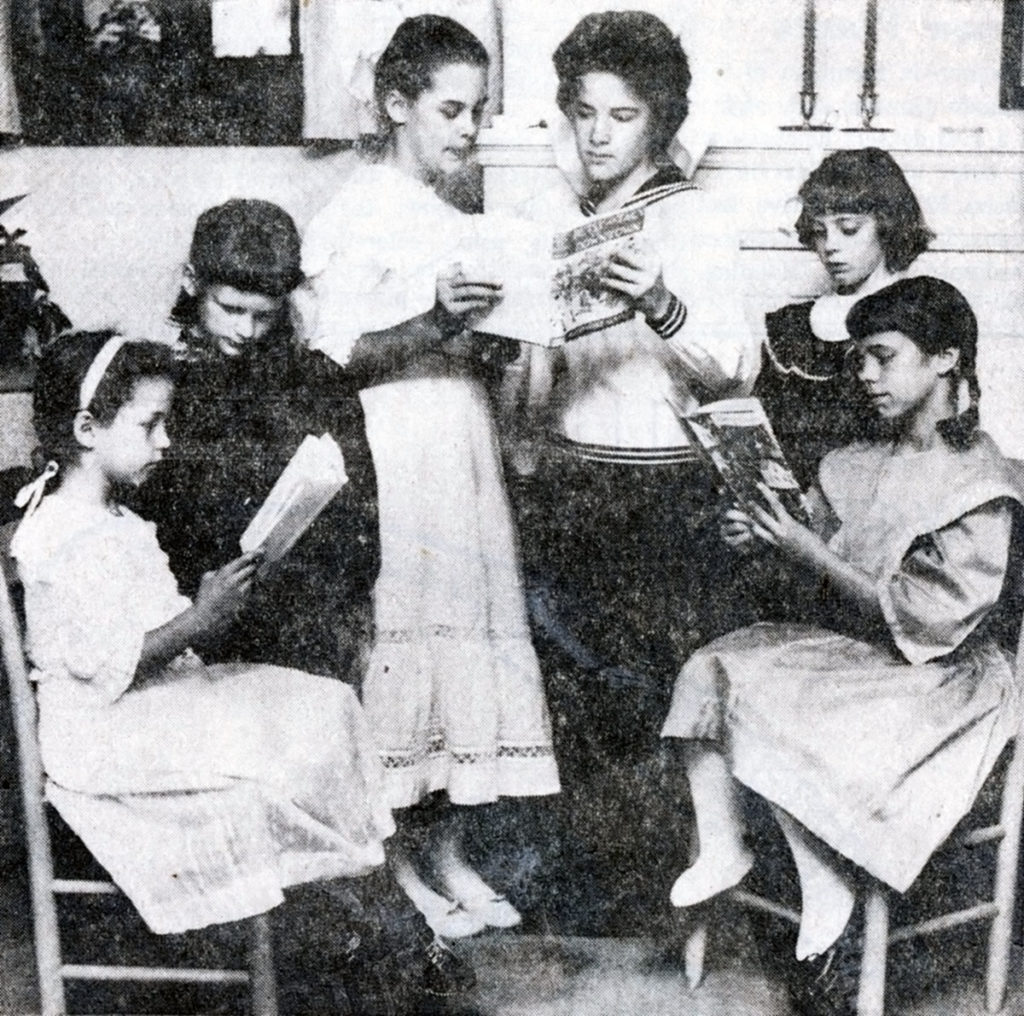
[828, 315]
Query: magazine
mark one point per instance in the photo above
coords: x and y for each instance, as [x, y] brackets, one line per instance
[315, 473]
[735, 436]
[552, 283]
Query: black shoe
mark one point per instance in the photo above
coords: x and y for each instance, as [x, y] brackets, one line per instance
[444, 973]
[827, 985]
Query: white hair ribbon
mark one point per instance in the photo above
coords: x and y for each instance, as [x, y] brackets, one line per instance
[99, 366]
[32, 493]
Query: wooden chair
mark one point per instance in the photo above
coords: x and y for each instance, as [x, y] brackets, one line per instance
[45, 887]
[998, 909]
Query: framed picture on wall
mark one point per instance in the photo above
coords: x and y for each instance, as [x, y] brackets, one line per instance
[158, 72]
[1011, 79]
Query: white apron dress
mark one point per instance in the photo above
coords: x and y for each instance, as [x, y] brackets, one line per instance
[879, 750]
[453, 688]
[203, 790]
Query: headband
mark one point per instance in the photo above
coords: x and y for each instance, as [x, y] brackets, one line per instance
[98, 368]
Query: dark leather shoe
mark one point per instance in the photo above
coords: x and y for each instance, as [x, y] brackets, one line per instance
[444, 973]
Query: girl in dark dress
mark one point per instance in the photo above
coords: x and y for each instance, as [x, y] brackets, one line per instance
[248, 396]
[861, 218]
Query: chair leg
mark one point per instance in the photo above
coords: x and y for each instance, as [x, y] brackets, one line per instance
[45, 927]
[48, 960]
[1007, 859]
[695, 945]
[262, 979]
[694, 949]
[871, 990]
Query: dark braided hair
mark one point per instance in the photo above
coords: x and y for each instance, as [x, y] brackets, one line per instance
[935, 316]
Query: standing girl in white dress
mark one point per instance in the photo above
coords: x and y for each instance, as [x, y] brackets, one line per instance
[871, 735]
[453, 689]
[204, 791]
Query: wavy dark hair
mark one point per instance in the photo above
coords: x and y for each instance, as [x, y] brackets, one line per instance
[935, 316]
[248, 244]
[419, 47]
[867, 181]
[640, 49]
[62, 368]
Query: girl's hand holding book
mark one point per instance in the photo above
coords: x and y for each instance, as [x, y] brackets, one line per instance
[223, 593]
[773, 524]
[737, 530]
[636, 271]
[459, 295]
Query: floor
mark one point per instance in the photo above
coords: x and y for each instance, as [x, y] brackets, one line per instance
[542, 974]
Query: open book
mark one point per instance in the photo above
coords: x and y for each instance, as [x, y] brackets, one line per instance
[735, 436]
[315, 473]
[551, 283]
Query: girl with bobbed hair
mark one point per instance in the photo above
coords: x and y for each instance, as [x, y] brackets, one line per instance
[862, 219]
[617, 511]
[453, 687]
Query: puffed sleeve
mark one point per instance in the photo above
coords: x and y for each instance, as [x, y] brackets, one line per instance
[947, 583]
[360, 278]
[89, 607]
[714, 343]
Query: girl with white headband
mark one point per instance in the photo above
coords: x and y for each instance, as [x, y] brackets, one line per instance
[204, 790]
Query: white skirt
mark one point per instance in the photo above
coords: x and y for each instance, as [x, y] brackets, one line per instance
[206, 794]
[453, 689]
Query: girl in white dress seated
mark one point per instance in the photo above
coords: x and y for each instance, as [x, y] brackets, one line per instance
[204, 791]
[871, 736]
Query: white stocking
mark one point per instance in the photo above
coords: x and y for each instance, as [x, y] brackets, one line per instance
[826, 893]
[723, 859]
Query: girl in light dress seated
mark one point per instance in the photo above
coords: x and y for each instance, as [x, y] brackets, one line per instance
[870, 730]
[861, 218]
[204, 791]
[453, 688]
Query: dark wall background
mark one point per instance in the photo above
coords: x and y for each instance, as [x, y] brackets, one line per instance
[174, 92]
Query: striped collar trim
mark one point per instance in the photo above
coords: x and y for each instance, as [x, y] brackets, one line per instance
[660, 186]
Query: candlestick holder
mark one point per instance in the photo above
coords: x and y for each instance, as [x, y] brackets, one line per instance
[807, 100]
[868, 108]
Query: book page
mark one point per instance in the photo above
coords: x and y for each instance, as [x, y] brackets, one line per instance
[315, 473]
[516, 253]
[553, 289]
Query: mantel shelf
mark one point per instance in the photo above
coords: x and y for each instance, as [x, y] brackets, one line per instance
[999, 148]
